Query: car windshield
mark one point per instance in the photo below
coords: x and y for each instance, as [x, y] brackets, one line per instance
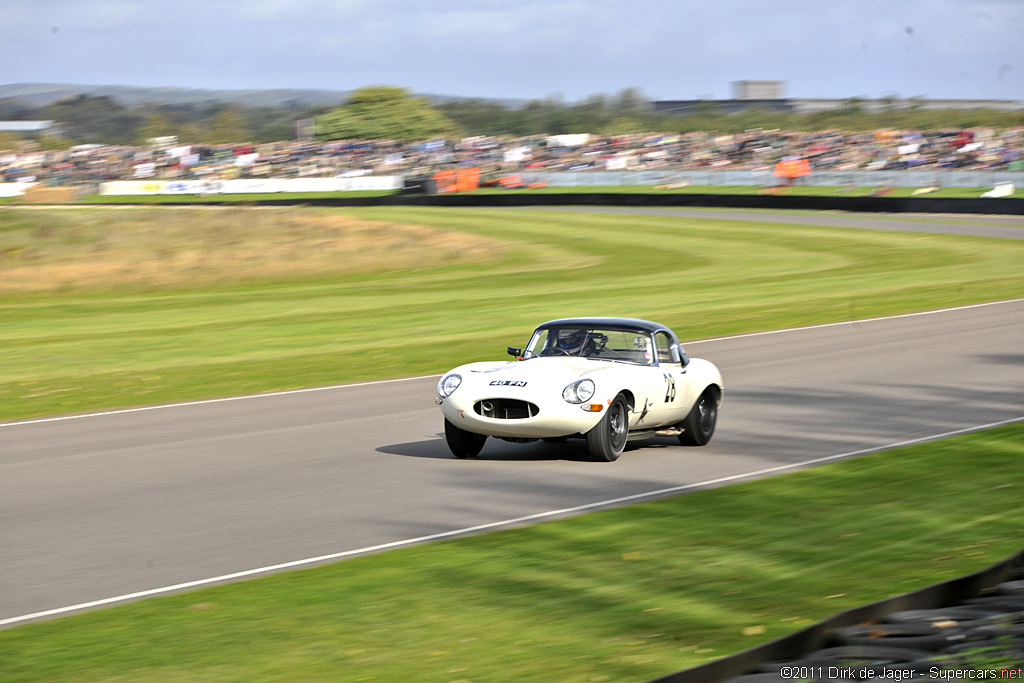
[628, 346]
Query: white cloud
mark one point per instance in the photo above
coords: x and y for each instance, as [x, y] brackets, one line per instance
[527, 48]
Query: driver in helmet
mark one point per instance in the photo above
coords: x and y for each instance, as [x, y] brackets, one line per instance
[571, 341]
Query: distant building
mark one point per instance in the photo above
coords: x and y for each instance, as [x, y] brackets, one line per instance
[769, 96]
[758, 90]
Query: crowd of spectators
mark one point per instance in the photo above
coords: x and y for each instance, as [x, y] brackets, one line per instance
[755, 150]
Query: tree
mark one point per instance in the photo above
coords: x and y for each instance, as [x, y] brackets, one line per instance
[481, 117]
[852, 106]
[156, 126]
[190, 134]
[228, 126]
[9, 141]
[632, 103]
[54, 142]
[624, 125]
[384, 112]
[93, 119]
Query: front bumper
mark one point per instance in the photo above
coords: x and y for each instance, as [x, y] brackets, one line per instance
[552, 419]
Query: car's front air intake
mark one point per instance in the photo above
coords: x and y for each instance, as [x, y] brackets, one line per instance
[505, 408]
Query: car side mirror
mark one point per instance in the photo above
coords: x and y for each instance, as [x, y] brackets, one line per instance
[513, 351]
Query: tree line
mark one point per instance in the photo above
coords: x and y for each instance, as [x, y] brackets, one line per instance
[388, 112]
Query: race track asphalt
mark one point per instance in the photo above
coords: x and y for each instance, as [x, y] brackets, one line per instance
[103, 506]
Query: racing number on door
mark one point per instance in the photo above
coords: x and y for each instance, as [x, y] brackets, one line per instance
[670, 387]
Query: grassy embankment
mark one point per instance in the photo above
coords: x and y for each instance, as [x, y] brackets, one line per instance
[104, 309]
[622, 595]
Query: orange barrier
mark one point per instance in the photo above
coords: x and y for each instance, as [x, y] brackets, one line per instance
[462, 180]
[511, 182]
[445, 181]
[467, 179]
[792, 168]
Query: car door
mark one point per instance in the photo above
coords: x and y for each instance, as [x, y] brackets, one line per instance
[646, 382]
[678, 390]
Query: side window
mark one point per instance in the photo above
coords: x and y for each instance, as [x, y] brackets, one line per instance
[663, 343]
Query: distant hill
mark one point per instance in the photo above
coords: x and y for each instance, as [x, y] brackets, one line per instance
[42, 94]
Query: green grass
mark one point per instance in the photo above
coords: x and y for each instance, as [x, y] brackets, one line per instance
[622, 595]
[71, 351]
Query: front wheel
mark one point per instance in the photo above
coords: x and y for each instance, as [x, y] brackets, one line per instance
[463, 444]
[699, 425]
[607, 439]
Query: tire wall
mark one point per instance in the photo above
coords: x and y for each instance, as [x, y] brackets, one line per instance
[815, 637]
[1005, 206]
[1009, 205]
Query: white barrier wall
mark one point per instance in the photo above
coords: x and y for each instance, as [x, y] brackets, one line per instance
[251, 185]
[980, 179]
[14, 189]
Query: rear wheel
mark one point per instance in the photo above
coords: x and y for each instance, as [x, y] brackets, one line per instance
[699, 425]
[607, 439]
[463, 444]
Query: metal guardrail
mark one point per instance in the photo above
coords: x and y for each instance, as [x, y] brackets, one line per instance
[764, 178]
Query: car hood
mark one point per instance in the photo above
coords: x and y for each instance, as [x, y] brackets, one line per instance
[538, 373]
[538, 367]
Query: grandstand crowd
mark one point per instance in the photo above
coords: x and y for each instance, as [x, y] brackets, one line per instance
[756, 150]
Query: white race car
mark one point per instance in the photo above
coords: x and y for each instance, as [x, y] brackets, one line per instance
[604, 379]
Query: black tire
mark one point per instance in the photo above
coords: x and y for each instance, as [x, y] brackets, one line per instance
[463, 444]
[916, 636]
[963, 616]
[1001, 603]
[607, 439]
[699, 425]
[1011, 588]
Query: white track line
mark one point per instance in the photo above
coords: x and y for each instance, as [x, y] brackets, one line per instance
[854, 322]
[214, 400]
[409, 379]
[492, 525]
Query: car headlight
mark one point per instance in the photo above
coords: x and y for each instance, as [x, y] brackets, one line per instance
[448, 384]
[580, 391]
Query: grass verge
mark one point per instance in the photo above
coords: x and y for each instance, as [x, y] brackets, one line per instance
[621, 595]
[74, 348]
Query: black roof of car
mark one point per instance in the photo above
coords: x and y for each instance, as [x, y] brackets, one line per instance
[626, 323]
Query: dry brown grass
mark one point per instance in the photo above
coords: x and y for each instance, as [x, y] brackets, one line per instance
[94, 250]
[40, 194]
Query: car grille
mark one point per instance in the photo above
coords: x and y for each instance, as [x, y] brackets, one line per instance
[505, 408]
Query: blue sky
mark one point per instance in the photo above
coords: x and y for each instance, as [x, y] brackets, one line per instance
[670, 49]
